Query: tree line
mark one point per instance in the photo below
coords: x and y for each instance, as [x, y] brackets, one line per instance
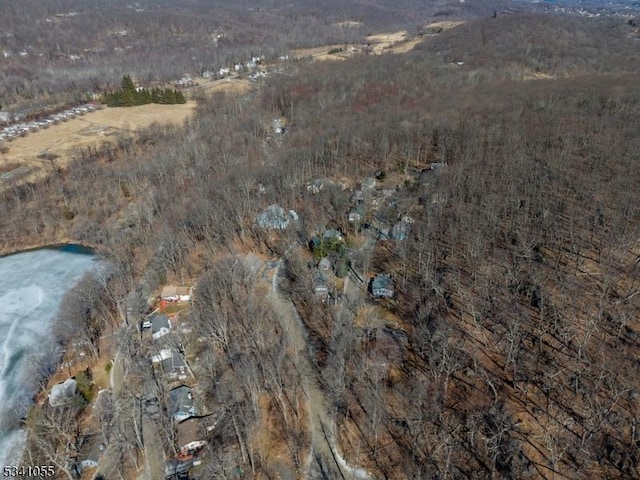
[130, 96]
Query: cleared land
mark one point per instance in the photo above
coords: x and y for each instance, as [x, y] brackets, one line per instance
[315, 51]
[229, 85]
[32, 156]
[442, 26]
[380, 43]
[59, 143]
[384, 41]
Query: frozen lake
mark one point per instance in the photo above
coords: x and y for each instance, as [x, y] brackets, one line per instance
[32, 285]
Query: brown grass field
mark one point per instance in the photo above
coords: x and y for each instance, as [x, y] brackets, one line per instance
[384, 41]
[229, 85]
[62, 141]
[380, 43]
[444, 25]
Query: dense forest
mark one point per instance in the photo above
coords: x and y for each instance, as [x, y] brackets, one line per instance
[509, 347]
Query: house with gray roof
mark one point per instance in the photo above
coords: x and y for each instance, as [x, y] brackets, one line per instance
[160, 326]
[382, 286]
[62, 393]
[400, 231]
[356, 214]
[274, 217]
[180, 405]
[174, 367]
[320, 287]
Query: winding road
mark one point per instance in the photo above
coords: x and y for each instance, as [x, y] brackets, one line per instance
[324, 459]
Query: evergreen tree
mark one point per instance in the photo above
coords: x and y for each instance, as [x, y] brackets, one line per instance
[180, 98]
[127, 84]
[128, 96]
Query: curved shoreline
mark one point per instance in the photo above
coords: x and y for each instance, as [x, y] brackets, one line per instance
[52, 272]
[69, 246]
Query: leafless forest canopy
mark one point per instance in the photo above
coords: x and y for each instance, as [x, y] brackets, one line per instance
[70, 47]
[514, 323]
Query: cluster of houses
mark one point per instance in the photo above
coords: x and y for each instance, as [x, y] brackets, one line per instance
[185, 82]
[369, 210]
[249, 65]
[192, 424]
[19, 129]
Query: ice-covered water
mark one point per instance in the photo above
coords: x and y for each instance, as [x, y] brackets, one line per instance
[32, 285]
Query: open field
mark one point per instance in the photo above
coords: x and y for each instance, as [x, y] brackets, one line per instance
[395, 42]
[229, 85]
[59, 143]
[383, 41]
[315, 51]
[442, 26]
[33, 156]
[404, 47]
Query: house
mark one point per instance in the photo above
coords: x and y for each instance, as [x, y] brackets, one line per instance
[315, 186]
[175, 368]
[62, 393]
[357, 197]
[90, 449]
[324, 264]
[160, 326]
[314, 243]
[191, 434]
[185, 81]
[356, 214]
[273, 217]
[382, 286]
[180, 404]
[280, 125]
[174, 293]
[368, 183]
[320, 287]
[332, 234]
[163, 355]
[438, 165]
[177, 469]
[382, 222]
[400, 231]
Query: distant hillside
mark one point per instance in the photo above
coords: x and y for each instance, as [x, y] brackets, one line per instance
[520, 45]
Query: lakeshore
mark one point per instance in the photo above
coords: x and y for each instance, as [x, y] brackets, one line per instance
[32, 285]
